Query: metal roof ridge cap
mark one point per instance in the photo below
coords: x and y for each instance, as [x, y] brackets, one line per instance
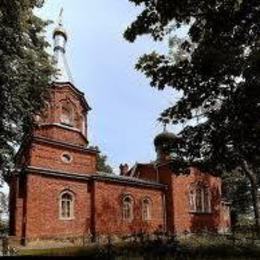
[31, 167]
[127, 179]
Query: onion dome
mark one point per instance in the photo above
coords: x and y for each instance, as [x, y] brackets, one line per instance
[166, 145]
[165, 138]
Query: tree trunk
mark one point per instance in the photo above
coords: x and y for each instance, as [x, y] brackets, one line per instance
[255, 194]
[256, 203]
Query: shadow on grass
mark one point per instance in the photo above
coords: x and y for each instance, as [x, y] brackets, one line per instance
[188, 247]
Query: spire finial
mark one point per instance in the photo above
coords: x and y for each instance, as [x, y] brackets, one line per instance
[61, 17]
[60, 39]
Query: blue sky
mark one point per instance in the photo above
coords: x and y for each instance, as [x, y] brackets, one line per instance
[123, 120]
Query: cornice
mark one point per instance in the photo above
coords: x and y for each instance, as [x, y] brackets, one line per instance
[63, 144]
[94, 177]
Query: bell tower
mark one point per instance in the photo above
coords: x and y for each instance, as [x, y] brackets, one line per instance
[63, 120]
[67, 109]
[56, 154]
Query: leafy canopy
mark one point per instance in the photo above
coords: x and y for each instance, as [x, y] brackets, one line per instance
[102, 164]
[217, 75]
[25, 72]
[236, 188]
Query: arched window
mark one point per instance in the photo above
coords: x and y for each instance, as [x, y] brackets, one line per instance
[200, 199]
[146, 209]
[192, 200]
[127, 208]
[67, 114]
[66, 205]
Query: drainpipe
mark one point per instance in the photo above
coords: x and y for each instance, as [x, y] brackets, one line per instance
[93, 209]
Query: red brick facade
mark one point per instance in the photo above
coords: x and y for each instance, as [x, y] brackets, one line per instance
[108, 202]
[56, 159]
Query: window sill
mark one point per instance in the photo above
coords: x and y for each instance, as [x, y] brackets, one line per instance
[67, 219]
[147, 220]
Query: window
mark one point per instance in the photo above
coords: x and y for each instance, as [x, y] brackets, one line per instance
[66, 205]
[127, 208]
[192, 200]
[66, 157]
[146, 209]
[199, 199]
[67, 114]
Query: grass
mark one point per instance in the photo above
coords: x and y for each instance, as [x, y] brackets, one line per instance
[218, 246]
[91, 250]
[189, 247]
[67, 251]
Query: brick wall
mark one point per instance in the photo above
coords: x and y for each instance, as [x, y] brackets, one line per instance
[51, 114]
[43, 207]
[60, 133]
[166, 177]
[49, 156]
[146, 172]
[108, 208]
[179, 216]
[184, 220]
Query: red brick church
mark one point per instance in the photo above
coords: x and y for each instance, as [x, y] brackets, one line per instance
[56, 191]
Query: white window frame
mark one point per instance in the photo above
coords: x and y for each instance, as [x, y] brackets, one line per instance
[72, 205]
[193, 198]
[146, 211]
[131, 210]
[66, 154]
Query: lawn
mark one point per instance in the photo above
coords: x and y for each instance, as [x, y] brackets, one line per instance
[187, 247]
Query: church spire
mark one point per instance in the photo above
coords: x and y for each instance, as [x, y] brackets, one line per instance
[60, 40]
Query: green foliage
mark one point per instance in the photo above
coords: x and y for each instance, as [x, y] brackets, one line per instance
[102, 165]
[208, 78]
[190, 247]
[4, 227]
[3, 202]
[217, 75]
[25, 73]
[212, 246]
[236, 188]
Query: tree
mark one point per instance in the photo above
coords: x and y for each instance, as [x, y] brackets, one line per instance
[3, 203]
[102, 165]
[25, 73]
[236, 188]
[218, 77]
